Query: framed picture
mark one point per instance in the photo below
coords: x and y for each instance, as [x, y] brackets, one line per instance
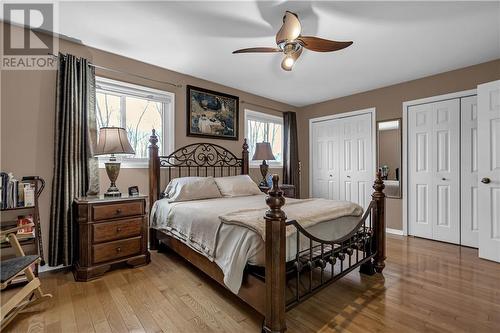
[211, 114]
[133, 191]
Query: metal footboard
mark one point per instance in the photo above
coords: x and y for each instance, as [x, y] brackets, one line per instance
[325, 261]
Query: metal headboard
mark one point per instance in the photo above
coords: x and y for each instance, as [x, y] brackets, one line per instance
[198, 159]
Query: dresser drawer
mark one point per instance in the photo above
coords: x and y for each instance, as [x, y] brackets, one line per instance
[111, 211]
[108, 231]
[116, 249]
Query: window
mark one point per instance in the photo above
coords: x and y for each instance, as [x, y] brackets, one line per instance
[138, 109]
[260, 127]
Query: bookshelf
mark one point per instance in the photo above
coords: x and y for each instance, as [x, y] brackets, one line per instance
[31, 244]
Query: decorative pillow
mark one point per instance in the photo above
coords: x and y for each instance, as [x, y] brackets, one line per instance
[237, 186]
[192, 188]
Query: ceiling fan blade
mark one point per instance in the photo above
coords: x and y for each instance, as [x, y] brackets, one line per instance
[290, 29]
[322, 45]
[258, 50]
[287, 64]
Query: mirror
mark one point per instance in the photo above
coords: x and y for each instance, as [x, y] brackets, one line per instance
[389, 155]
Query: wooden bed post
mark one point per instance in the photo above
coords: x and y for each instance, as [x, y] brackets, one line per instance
[379, 197]
[244, 156]
[274, 321]
[154, 183]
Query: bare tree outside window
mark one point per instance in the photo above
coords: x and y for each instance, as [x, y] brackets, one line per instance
[264, 130]
[137, 115]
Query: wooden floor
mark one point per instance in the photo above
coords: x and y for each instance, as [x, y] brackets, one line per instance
[427, 287]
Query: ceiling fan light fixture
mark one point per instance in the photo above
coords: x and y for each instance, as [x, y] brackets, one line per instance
[290, 41]
[288, 63]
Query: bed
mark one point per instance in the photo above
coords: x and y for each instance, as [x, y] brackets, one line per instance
[272, 265]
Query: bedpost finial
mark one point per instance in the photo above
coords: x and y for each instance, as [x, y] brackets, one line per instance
[275, 200]
[153, 139]
[245, 144]
[378, 185]
[275, 179]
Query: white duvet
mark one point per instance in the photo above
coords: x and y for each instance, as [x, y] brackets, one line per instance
[231, 246]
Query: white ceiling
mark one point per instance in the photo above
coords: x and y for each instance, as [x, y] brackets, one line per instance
[393, 41]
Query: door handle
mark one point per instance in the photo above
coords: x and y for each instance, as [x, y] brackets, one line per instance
[485, 180]
[443, 178]
[348, 176]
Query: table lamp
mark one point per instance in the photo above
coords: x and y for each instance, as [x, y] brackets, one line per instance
[263, 152]
[113, 140]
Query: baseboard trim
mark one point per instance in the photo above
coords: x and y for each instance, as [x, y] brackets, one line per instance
[394, 231]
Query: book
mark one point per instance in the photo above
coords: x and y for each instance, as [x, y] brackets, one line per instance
[25, 220]
[20, 194]
[15, 193]
[4, 177]
[29, 195]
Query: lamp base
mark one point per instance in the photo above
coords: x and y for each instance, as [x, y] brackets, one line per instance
[112, 169]
[111, 193]
[263, 183]
[264, 168]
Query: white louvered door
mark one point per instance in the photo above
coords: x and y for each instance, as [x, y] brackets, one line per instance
[489, 170]
[342, 158]
[433, 164]
[469, 223]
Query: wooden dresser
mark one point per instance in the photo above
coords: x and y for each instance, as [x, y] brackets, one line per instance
[110, 231]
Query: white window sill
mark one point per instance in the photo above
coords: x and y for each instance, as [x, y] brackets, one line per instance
[144, 164]
[271, 166]
[139, 164]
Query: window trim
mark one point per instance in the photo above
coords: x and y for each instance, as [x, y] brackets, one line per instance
[261, 116]
[168, 120]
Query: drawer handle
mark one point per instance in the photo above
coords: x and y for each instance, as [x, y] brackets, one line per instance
[118, 249]
[119, 229]
[118, 211]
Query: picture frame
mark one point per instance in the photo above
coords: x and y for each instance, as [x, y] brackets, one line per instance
[211, 114]
[133, 191]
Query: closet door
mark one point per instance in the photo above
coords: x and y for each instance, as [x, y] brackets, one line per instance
[356, 159]
[342, 159]
[489, 170]
[434, 192]
[469, 181]
[325, 160]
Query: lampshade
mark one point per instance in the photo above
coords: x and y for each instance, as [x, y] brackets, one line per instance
[263, 151]
[113, 140]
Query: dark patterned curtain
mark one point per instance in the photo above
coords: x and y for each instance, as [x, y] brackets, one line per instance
[291, 152]
[75, 170]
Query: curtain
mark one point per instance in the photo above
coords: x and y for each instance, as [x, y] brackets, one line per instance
[291, 173]
[75, 170]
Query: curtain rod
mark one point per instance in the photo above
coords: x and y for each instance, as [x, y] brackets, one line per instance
[128, 73]
[262, 106]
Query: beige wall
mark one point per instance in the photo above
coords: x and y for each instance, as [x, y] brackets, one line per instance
[28, 112]
[388, 103]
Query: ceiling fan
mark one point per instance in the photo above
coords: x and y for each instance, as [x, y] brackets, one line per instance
[291, 42]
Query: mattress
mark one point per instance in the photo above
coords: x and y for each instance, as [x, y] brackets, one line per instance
[235, 245]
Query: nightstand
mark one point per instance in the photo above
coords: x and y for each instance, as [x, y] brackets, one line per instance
[288, 190]
[110, 231]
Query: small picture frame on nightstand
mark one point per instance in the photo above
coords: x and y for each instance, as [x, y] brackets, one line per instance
[133, 191]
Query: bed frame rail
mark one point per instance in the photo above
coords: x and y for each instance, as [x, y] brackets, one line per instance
[324, 261]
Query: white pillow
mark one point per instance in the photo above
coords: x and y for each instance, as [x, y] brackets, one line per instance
[192, 188]
[237, 186]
